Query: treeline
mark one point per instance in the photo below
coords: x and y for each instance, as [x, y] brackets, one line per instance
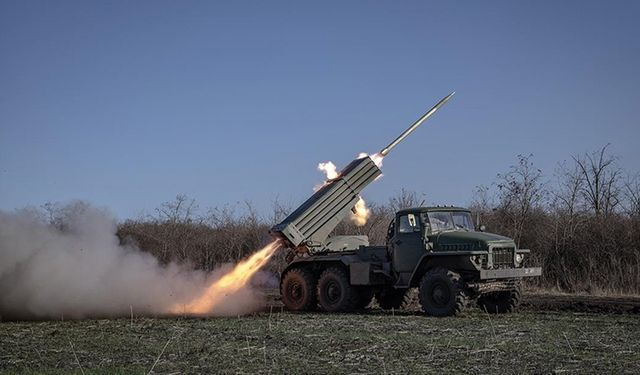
[582, 224]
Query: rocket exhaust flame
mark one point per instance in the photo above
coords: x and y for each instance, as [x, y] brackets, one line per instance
[212, 299]
[360, 213]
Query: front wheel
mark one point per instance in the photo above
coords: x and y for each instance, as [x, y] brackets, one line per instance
[442, 293]
[500, 302]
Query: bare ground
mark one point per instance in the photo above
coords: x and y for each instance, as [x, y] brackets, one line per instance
[547, 336]
[582, 303]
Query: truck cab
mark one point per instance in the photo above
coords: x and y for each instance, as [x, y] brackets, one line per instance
[447, 236]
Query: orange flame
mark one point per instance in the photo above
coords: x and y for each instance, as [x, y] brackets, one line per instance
[232, 282]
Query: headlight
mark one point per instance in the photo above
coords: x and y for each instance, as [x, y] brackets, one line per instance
[519, 258]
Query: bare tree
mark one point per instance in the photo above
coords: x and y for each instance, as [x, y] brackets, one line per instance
[280, 211]
[58, 215]
[519, 192]
[405, 199]
[632, 193]
[482, 200]
[567, 204]
[570, 184]
[600, 175]
[180, 210]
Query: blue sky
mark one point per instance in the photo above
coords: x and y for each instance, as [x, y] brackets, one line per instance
[126, 104]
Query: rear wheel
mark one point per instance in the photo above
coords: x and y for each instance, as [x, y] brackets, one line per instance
[335, 293]
[298, 290]
[442, 293]
[391, 298]
[500, 302]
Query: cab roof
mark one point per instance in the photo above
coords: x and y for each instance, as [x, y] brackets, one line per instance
[413, 210]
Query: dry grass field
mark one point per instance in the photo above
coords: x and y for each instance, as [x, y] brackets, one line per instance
[535, 340]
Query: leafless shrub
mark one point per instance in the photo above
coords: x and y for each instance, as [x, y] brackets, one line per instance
[579, 236]
[178, 234]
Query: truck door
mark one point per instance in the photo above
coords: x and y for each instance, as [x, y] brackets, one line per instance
[408, 243]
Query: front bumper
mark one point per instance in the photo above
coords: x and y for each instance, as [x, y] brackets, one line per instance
[510, 273]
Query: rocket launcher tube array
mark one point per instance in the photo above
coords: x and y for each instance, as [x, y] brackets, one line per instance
[312, 222]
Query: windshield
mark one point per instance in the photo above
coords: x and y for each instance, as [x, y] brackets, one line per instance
[440, 221]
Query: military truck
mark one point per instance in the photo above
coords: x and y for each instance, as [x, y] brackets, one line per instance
[438, 250]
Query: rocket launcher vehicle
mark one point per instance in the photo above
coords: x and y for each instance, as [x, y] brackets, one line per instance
[309, 226]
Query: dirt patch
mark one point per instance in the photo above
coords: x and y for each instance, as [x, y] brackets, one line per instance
[536, 302]
[580, 303]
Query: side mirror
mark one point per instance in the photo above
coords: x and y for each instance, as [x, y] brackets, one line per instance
[482, 228]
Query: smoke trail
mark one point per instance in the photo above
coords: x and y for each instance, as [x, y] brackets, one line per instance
[84, 271]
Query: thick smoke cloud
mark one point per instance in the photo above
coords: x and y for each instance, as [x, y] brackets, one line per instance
[82, 270]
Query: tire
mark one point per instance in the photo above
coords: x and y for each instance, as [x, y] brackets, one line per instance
[365, 296]
[442, 293]
[391, 298]
[500, 302]
[335, 293]
[298, 290]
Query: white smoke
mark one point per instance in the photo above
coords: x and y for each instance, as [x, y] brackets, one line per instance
[84, 271]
